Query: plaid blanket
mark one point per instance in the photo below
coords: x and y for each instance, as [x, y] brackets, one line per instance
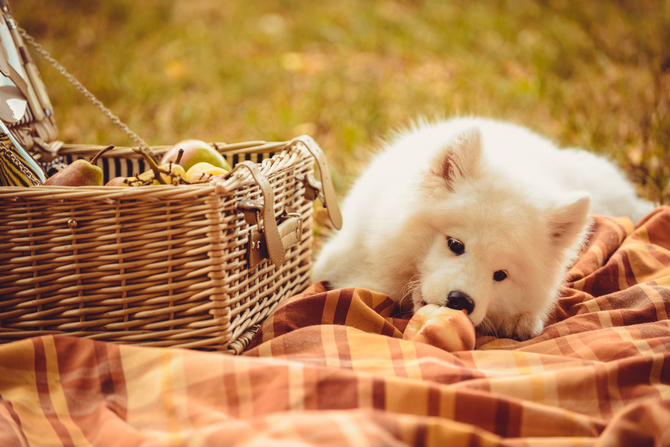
[330, 368]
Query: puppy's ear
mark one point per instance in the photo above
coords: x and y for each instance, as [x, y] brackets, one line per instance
[459, 158]
[569, 220]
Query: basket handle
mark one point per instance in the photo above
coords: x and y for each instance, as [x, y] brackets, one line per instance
[324, 189]
[268, 225]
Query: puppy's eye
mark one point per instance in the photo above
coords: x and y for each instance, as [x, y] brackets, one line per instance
[500, 275]
[456, 246]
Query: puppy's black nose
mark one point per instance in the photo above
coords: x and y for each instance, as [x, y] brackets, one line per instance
[459, 300]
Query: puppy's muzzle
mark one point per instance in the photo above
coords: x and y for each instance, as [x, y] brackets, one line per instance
[460, 300]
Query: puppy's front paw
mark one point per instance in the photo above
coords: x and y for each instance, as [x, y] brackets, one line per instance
[527, 326]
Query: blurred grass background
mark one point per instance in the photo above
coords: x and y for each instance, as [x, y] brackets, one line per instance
[590, 74]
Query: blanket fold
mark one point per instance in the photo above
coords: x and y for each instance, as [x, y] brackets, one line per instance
[330, 367]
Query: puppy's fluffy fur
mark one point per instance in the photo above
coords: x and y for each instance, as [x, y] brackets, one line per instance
[518, 206]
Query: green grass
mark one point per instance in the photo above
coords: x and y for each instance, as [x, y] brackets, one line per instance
[590, 74]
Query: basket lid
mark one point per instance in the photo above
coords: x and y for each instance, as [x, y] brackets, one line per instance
[24, 102]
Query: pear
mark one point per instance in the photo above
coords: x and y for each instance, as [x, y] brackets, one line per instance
[195, 151]
[118, 181]
[173, 170]
[202, 172]
[79, 173]
[170, 173]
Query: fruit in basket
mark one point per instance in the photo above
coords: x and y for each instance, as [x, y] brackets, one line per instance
[195, 151]
[79, 173]
[118, 181]
[442, 327]
[172, 174]
[203, 172]
[176, 173]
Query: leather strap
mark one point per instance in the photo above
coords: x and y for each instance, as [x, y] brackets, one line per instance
[290, 230]
[273, 240]
[329, 199]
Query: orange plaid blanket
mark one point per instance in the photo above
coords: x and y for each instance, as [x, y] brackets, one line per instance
[330, 368]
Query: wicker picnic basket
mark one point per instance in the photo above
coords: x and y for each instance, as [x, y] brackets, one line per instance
[191, 266]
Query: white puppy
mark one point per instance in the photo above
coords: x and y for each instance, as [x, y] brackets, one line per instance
[473, 214]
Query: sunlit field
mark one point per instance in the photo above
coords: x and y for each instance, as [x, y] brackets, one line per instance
[590, 74]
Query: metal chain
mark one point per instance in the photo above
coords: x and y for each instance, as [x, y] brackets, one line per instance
[19, 164]
[84, 91]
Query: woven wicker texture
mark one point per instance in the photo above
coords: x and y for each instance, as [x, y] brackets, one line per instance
[153, 265]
